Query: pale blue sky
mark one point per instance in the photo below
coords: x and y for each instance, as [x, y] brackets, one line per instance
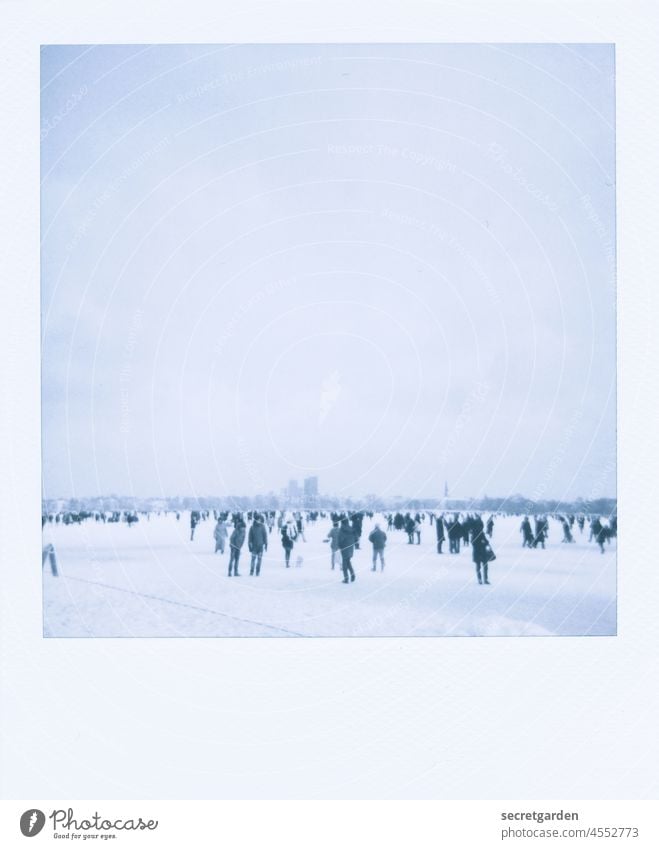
[388, 265]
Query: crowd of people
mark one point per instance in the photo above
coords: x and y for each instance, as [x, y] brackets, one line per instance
[258, 529]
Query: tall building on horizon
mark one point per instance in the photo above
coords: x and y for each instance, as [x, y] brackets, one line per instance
[311, 491]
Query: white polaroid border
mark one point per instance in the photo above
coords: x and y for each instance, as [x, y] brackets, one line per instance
[569, 718]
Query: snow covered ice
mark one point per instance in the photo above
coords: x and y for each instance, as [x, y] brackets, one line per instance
[150, 580]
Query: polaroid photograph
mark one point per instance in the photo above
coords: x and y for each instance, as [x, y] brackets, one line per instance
[328, 424]
[328, 340]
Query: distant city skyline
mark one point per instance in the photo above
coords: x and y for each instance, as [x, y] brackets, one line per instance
[294, 499]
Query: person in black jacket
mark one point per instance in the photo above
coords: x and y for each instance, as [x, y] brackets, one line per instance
[541, 531]
[441, 536]
[194, 521]
[378, 538]
[257, 542]
[598, 532]
[567, 533]
[236, 541]
[288, 537]
[409, 529]
[482, 554]
[357, 519]
[347, 548]
[527, 533]
[454, 535]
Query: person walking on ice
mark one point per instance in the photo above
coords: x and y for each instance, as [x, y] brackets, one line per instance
[220, 533]
[567, 533]
[194, 521]
[299, 521]
[347, 546]
[236, 541]
[288, 537]
[333, 539]
[482, 555]
[598, 532]
[257, 543]
[409, 529]
[417, 530]
[378, 538]
[527, 533]
[441, 536]
[490, 527]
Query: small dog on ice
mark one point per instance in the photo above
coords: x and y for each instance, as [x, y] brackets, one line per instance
[299, 561]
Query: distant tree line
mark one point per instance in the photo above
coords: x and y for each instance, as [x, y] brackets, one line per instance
[512, 504]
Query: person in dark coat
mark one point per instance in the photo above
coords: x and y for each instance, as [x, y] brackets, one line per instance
[257, 542]
[347, 548]
[476, 526]
[490, 527]
[357, 519]
[613, 528]
[299, 524]
[482, 554]
[378, 539]
[541, 531]
[454, 535]
[236, 541]
[466, 528]
[288, 537]
[527, 533]
[194, 521]
[441, 536]
[598, 532]
[409, 529]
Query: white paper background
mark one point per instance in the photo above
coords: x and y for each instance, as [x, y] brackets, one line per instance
[416, 718]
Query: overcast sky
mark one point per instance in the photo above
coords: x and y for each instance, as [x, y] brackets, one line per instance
[389, 266]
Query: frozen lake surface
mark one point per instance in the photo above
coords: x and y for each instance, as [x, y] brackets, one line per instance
[150, 580]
